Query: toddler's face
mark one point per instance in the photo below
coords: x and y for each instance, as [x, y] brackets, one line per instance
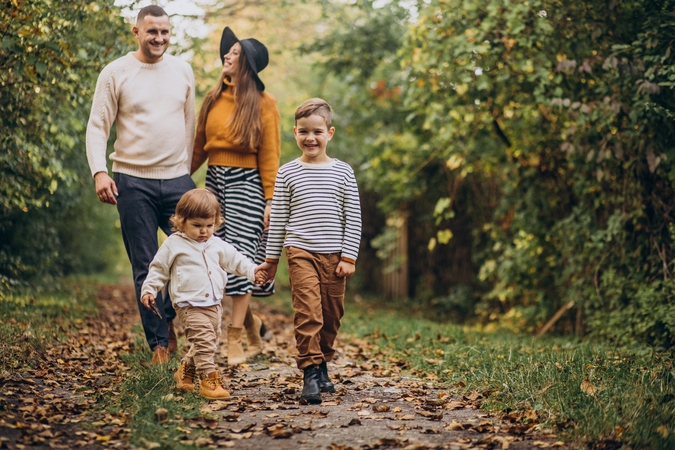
[199, 229]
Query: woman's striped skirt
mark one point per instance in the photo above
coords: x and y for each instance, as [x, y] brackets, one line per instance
[242, 201]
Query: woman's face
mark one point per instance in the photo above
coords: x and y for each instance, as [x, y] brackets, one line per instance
[231, 63]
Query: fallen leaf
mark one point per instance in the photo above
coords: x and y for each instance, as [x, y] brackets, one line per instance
[161, 414]
[454, 426]
[588, 388]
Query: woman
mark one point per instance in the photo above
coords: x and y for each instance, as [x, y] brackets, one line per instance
[238, 131]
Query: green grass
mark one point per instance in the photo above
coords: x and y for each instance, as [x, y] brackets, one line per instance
[635, 387]
[148, 387]
[32, 318]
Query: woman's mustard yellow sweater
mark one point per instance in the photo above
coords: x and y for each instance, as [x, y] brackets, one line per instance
[212, 142]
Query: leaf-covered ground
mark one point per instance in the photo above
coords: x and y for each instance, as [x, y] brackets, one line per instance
[57, 405]
[378, 405]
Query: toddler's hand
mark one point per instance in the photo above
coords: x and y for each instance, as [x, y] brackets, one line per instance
[147, 300]
[261, 277]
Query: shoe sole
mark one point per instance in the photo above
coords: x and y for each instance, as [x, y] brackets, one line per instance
[214, 398]
[332, 390]
[310, 400]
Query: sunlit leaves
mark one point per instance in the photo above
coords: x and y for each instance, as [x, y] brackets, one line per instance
[50, 56]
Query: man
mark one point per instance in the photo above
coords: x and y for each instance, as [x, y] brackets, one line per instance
[150, 96]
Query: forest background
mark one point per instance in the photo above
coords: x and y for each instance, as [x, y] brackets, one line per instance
[528, 145]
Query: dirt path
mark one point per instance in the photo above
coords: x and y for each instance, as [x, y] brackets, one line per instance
[376, 407]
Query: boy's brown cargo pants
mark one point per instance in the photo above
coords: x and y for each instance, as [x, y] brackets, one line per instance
[318, 302]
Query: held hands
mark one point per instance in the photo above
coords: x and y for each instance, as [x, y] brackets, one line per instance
[106, 189]
[345, 269]
[261, 275]
[270, 270]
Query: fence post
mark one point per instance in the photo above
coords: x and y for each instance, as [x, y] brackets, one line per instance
[396, 264]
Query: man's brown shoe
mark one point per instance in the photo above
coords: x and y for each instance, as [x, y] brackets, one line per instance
[185, 376]
[211, 387]
[160, 355]
[173, 341]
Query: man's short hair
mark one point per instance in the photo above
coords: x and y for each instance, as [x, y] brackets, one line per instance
[151, 10]
[316, 106]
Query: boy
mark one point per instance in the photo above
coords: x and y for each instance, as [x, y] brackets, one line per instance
[196, 263]
[316, 216]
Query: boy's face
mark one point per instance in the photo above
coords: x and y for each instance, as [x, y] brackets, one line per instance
[312, 136]
[199, 229]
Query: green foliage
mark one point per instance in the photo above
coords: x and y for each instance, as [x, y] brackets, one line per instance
[548, 127]
[580, 149]
[50, 56]
[630, 401]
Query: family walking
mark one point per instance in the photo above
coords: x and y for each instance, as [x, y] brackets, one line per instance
[226, 239]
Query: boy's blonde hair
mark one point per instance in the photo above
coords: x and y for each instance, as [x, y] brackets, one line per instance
[316, 106]
[196, 204]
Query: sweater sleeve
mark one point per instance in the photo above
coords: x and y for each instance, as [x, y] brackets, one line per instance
[236, 263]
[101, 118]
[278, 220]
[189, 110]
[199, 155]
[158, 272]
[270, 147]
[352, 211]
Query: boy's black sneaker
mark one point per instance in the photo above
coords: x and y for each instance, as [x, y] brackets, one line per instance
[325, 385]
[311, 393]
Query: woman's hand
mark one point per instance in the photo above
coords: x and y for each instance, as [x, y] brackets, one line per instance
[267, 214]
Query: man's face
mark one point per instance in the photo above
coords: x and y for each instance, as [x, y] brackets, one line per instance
[152, 34]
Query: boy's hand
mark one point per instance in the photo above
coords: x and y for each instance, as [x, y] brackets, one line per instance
[269, 268]
[345, 269]
[147, 300]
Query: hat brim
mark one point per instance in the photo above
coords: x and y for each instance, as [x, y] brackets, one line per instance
[227, 40]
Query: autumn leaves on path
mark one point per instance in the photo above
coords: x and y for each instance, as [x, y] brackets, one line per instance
[56, 405]
[376, 405]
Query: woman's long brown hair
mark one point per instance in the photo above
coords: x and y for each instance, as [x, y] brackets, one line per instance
[244, 126]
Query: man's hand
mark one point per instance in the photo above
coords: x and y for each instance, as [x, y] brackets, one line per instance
[345, 269]
[269, 268]
[147, 300]
[106, 188]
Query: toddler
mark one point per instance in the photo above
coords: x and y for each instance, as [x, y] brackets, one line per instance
[196, 262]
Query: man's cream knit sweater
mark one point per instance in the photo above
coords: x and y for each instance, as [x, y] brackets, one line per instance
[154, 107]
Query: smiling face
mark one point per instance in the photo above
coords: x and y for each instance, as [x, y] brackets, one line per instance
[199, 229]
[312, 135]
[153, 35]
[231, 62]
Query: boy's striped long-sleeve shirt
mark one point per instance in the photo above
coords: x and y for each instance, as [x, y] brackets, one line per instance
[316, 208]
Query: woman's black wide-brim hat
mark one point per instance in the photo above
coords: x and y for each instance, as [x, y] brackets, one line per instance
[255, 51]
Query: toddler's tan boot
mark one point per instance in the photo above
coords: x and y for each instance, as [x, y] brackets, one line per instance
[211, 387]
[253, 325]
[185, 376]
[235, 351]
